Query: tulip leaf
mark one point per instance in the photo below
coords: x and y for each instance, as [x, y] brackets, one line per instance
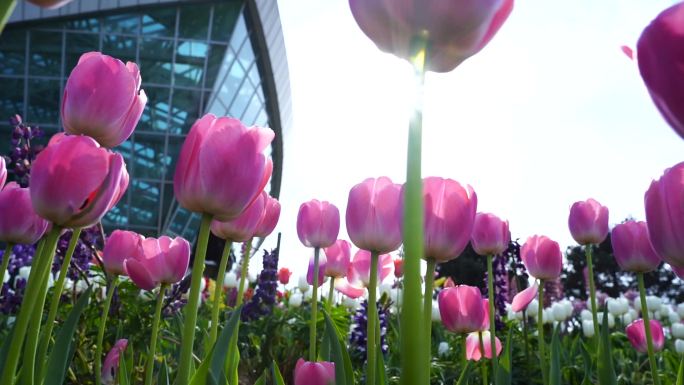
[277, 377]
[465, 374]
[381, 374]
[587, 362]
[5, 348]
[211, 369]
[504, 373]
[680, 372]
[261, 380]
[163, 378]
[63, 350]
[555, 370]
[124, 376]
[606, 368]
[344, 374]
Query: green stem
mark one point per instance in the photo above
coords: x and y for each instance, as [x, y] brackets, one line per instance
[371, 344]
[483, 367]
[331, 294]
[218, 291]
[647, 328]
[149, 366]
[233, 359]
[592, 291]
[527, 347]
[101, 329]
[6, 8]
[314, 308]
[243, 273]
[462, 377]
[680, 372]
[427, 311]
[464, 346]
[190, 322]
[5, 262]
[29, 364]
[412, 348]
[39, 270]
[492, 315]
[540, 328]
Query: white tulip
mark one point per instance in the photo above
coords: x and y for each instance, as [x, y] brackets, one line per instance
[673, 317]
[203, 285]
[350, 303]
[533, 308]
[588, 328]
[653, 302]
[302, 284]
[24, 272]
[436, 317]
[558, 311]
[611, 319]
[443, 349]
[296, 300]
[230, 280]
[618, 306]
[569, 309]
[386, 289]
[680, 310]
[679, 346]
[665, 309]
[678, 330]
[547, 316]
[5, 278]
[586, 315]
[251, 276]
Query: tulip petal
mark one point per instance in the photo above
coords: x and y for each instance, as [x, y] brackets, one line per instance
[139, 274]
[522, 299]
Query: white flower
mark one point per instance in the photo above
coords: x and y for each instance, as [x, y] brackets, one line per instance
[533, 308]
[23, 273]
[569, 309]
[679, 346]
[296, 300]
[653, 302]
[302, 284]
[559, 312]
[251, 276]
[230, 280]
[673, 317]
[680, 310]
[665, 309]
[436, 317]
[618, 306]
[443, 349]
[611, 319]
[547, 316]
[588, 328]
[5, 278]
[203, 284]
[586, 315]
[678, 330]
[51, 280]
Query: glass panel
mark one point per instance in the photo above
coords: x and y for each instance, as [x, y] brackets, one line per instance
[159, 22]
[121, 47]
[117, 217]
[194, 22]
[185, 109]
[156, 112]
[254, 74]
[150, 159]
[241, 99]
[144, 208]
[12, 52]
[214, 60]
[239, 34]
[225, 15]
[86, 25]
[156, 60]
[125, 149]
[76, 45]
[11, 98]
[180, 218]
[43, 101]
[168, 198]
[45, 53]
[252, 110]
[175, 144]
[262, 119]
[246, 55]
[190, 56]
[127, 24]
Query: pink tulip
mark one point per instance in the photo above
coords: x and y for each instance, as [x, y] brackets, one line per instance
[110, 367]
[74, 181]
[374, 215]
[664, 203]
[3, 171]
[163, 260]
[18, 222]
[455, 30]
[318, 223]
[542, 257]
[661, 63]
[461, 309]
[636, 333]
[120, 246]
[242, 228]
[284, 275]
[221, 168]
[485, 322]
[107, 113]
[270, 218]
[523, 299]
[632, 247]
[49, 4]
[358, 273]
[588, 222]
[398, 267]
[314, 373]
[490, 234]
[338, 257]
[321, 270]
[473, 351]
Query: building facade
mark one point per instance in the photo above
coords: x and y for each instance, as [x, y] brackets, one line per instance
[225, 57]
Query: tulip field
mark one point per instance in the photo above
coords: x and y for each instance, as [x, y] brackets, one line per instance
[79, 305]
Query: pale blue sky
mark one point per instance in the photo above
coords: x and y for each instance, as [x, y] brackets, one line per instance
[550, 112]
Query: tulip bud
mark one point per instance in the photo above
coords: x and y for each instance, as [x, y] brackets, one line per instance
[664, 203]
[284, 275]
[163, 260]
[321, 270]
[542, 257]
[678, 330]
[632, 247]
[338, 257]
[636, 333]
[490, 234]
[558, 310]
[398, 267]
[588, 222]
[318, 223]
[314, 373]
[679, 346]
[461, 309]
[230, 280]
[295, 300]
[588, 328]
[242, 227]
[121, 245]
[443, 349]
[18, 222]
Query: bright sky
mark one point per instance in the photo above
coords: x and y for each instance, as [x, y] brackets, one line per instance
[549, 113]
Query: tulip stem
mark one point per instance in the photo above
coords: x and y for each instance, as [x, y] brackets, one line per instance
[483, 367]
[233, 352]
[372, 318]
[427, 309]
[101, 330]
[218, 291]
[149, 370]
[412, 344]
[540, 327]
[27, 374]
[39, 271]
[592, 290]
[5, 262]
[314, 308]
[190, 322]
[331, 295]
[492, 315]
[647, 329]
[527, 348]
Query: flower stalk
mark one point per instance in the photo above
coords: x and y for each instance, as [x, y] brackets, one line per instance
[427, 308]
[218, 290]
[101, 330]
[540, 328]
[372, 315]
[492, 315]
[647, 329]
[592, 290]
[314, 305]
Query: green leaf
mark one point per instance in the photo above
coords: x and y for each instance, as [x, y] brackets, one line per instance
[261, 380]
[163, 377]
[210, 370]
[465, 374]
[277, 377]
[344, 374]
[587, 362]
[555, 371]
[63, 351]
[381, 377]
[504, 375]
[123, 372]
[606, 369]
[680, 373]
[5, 347]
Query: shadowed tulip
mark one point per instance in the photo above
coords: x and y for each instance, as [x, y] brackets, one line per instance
[473, 351]
[664, 203]
[398, 267]
[358, 273]
[636, 333]
[241, 229]
[661, 62]
[284, 275]
[221, 168]
[318, 223]
[164, 260]
[337, 258]
[588, 222]
[461, 309]
[455, 30]
[679, 271]
[270, 218]
[490, 234]
[632, 247]
[18, 222]
[3, 171]
[314, 373]
[110, 367]
[523, 299]
[120, 246]
[542, 257]
[49, 4]
[107, 114]
[321, 270]
[449, 216]
[74, 181]
[374, 212]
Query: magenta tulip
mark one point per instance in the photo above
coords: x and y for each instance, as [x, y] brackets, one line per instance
[269, 219]
[110, 367]
[588, 222]
[242, 228]
[50, 4]
[108, 113]
[636, 333]
[321, 270]
[679, 271]
[163, 260]
[337, 257]
[455, 30]
[473, 351]
[523, 299]
[318, 223]
[18, 222]
[542, 257]
[314, 373]
[661, 62]
[449, 216]
[485, 306]
[398, 267]
[221, 168]
[3, 171]
[461, 309]
[374, 212]
[490, 234]
[358, 273]
[120, 246]
[632, 247]
[664, 203]
[74, 181]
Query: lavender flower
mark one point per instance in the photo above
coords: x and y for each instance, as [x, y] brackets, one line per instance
[24, 149]
[357, 337]
[500, 287]
[88, 243]
[265, 296]
[12, 292]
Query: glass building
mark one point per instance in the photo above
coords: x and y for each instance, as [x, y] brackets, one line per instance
[225, 57]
